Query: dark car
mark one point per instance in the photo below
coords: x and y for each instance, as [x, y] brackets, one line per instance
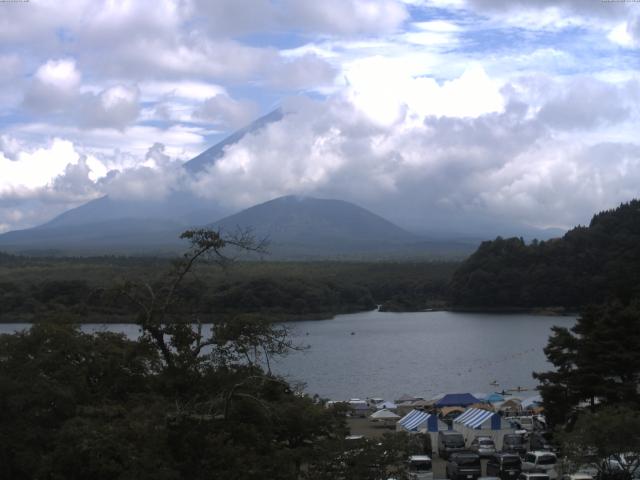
[464, 466]
[541, 441]
[449, 442]
[506, 466]
[514, 442]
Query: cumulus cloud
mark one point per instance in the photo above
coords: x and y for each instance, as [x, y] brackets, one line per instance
[346, 16]
[55, 85]
[56, 89]
[585, 103]
[417, 110]
[225, 112]
[116, 107]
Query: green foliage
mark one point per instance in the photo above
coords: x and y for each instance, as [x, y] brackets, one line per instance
[605, 440]
[596, 362]
[87, 290]
[587, 265]
[183, 401]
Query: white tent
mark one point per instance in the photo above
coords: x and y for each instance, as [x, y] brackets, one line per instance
[476, 421]
[386, 405]
[384, 414]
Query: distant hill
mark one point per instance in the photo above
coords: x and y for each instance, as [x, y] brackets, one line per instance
[311, 227]
[587, 265]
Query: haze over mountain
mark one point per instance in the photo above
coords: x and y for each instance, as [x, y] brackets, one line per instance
[297, 226]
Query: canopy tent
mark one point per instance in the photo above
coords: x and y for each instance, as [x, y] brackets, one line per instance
[494, 398]
[476, 421]
[457, 400]
[417, 420]
[482, 406]
[358, 407]
[387, 406]
[478, 418]
[408, 398]
[512, 405]
[384, 415]
[531, 402]
[445, 411]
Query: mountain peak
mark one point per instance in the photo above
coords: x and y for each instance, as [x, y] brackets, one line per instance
[212, 154]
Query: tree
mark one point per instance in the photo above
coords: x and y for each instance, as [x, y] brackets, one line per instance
[597, 362]
[607, 440]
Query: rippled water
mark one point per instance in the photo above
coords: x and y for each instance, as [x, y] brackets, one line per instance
[424, 353]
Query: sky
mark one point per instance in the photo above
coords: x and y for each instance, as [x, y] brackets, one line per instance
[425, 111]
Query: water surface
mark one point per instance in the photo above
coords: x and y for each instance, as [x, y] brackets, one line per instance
[387, 354]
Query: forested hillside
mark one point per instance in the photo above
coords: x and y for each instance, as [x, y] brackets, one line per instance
[88, 289]
[588, 265]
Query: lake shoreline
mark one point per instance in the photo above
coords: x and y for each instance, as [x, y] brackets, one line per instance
[320, 316]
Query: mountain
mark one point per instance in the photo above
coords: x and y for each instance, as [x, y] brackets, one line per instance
[131, 225]
[307, 228]
[587, 265]
[211, 155]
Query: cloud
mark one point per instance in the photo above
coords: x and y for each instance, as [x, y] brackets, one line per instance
[116, 107]
[585, 103]
[346, 16]
[9, 147]
[55, 85]
[225, 112]
[57, 89]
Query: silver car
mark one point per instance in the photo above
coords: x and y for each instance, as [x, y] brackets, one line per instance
[483, 445]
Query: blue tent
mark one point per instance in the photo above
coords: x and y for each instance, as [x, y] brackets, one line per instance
[494, 397]
[417, 419]
[457, 400]
[476, 418]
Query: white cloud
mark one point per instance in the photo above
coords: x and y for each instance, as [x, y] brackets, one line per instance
[37, 168]
[54, 86]
[627, 33]
[381, 89]
[115, 107]
[225, 112]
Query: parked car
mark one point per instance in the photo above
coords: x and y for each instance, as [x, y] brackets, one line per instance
[514, 442]
[577, 476]
[420, 467]
[540, 441]
[526, 423]
[464, 466]
[533, 476]
[449, 442]
[540, 461]
[483, 445]
[506, 466]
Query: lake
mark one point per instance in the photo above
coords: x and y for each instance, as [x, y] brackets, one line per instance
[386, 354]
[424, 353]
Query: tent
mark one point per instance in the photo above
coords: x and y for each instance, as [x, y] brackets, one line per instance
[384, 415]
[494, 398]
[406, 398]
[444, 411]
[417, 421]
[512, 405]
[531, 402]
[359, 407]
[457, 400]
[477, 421]
[386, 405]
